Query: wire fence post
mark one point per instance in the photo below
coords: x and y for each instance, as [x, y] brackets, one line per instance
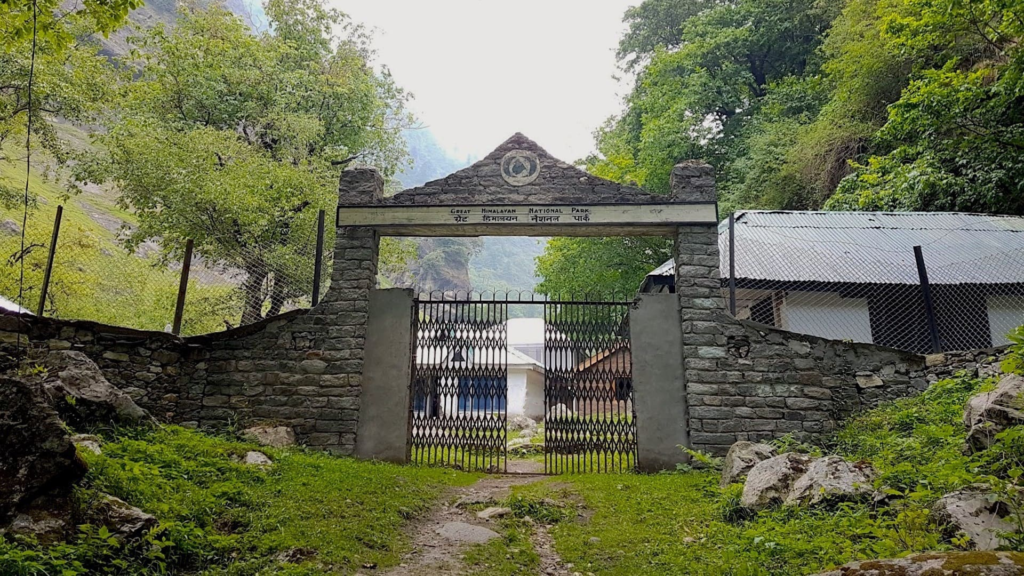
[49, 261]
[179, 307]
[319, 263]
[926, 292]
[732, 264]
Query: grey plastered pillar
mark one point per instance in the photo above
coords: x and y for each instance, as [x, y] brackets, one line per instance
[384, 401]
[344, 312]
[659, 397]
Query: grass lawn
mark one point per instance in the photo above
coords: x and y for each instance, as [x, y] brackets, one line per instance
[678, 524]
[335, 515]
[683, 523]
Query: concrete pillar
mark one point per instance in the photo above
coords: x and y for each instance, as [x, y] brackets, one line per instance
[659, 398]
[383, 432]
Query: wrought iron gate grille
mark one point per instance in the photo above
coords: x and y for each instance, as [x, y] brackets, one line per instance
[460, 384]
[459, 390]
[590, 425]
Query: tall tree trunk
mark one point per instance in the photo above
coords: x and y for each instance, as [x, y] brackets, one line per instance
[252, 306]
[277, 296]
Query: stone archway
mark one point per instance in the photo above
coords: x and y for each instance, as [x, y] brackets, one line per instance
[521, 190]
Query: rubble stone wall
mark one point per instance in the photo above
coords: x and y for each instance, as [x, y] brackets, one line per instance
[302, 368]
[747, 381]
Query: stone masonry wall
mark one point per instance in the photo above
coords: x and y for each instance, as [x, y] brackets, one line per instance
[746, 381]
[149, 366]
[302, 368]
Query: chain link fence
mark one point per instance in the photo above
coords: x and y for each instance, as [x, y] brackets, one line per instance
[922, 282]
[158, 285]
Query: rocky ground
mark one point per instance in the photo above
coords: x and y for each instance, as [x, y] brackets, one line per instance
[468, 516]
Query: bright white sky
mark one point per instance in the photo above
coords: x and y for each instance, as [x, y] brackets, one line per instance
[481, 70]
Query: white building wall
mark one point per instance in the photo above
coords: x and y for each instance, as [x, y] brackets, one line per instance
[516, 391]
[826, 314]
[1005, 313]
[534, 407]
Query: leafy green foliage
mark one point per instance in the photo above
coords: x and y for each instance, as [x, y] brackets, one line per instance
[915, 441]
[599, 266]
[836, 104]
[71, 81]
[218, 516]
[51, 21]
[233, 140]
[955, 138]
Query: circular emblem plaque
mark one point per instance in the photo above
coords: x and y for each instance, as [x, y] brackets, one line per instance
[520, 167]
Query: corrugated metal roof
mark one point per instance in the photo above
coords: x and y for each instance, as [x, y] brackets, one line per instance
[873, 247]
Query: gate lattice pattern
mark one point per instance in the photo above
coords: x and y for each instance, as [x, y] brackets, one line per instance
[460, 384]
[588, 388]
[459, 391]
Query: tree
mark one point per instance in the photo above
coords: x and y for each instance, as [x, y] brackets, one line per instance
[235, 140]
[708, 67]
[55, 21]
[70, 80]
[601, 267]
[955, 138]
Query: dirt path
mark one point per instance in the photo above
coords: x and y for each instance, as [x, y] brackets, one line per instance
[440, 538]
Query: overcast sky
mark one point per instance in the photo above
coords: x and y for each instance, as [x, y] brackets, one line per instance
[481, 70]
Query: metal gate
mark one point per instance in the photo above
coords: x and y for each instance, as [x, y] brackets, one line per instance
[459, 390]
[590, 424]
[459, 384]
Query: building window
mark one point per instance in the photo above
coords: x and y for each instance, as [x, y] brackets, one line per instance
[482, 394]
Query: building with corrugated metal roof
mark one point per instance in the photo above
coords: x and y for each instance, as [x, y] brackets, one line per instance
[854, 275]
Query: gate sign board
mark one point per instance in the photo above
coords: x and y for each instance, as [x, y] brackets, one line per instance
[539, 219]
[521, 190]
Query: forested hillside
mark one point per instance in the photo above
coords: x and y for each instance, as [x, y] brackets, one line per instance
[811, 104]
[213, 130]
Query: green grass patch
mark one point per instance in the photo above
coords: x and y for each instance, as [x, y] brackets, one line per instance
[510, 555]
[217, 516]
[683, 523]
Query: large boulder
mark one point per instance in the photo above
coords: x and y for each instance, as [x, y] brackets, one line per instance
[36, 454]
[770, 481]
[559, 412]
[81, 394]
[743, 456]
[938, 564]
[120, 518]
[832, 478]
[520, 422]
[976, 515]
[48, 519]
[273, 436]
[992, 412]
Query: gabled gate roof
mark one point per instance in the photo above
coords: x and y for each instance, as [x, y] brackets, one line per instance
[521, 172]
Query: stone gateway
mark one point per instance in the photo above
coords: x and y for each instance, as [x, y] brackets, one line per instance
[339, 375]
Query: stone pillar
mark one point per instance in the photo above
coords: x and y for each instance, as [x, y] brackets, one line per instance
[701, 305]
[344, 312]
